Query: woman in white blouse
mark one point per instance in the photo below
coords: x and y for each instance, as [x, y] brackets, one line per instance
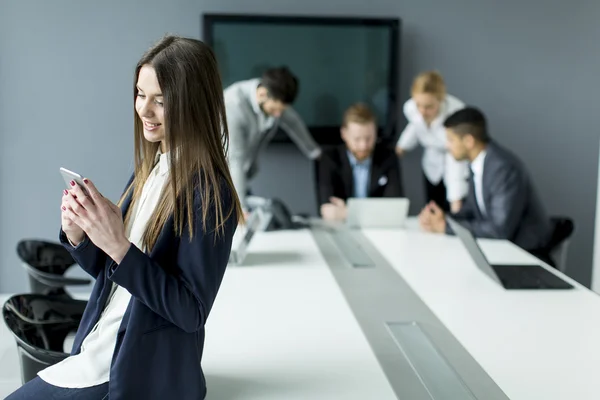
[158, 258]
[445, 178]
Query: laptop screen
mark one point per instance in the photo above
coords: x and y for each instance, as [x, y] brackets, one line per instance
[473, 248]
[377, 212]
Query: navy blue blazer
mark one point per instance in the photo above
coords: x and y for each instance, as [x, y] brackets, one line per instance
[161, 338]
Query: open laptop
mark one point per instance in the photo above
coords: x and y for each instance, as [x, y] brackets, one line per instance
[244, 234]
[377, 212]
[509, 276]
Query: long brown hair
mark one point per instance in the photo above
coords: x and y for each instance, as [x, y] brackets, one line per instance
[196, 137]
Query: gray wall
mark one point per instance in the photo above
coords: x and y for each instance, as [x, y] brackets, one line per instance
[66, 78]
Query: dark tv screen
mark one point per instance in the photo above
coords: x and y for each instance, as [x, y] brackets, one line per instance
[338, 62]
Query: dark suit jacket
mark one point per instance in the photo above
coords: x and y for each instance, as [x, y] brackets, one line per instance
[514, 210]
[161, 338]
[335, 178]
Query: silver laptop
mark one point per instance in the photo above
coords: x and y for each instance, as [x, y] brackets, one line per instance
[378, 212]
[509, 276]
[243, 235]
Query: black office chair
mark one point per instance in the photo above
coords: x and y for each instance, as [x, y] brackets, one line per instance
[563, 228]
[40, 325]
[46, 264]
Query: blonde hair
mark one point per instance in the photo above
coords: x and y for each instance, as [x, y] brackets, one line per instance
[430, 82]
[359, 113]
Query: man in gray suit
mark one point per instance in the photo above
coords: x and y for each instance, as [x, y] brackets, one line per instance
[502, 202]
[256, 108]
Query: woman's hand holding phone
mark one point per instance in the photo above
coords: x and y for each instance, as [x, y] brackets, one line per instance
[98, 218]
[74, 233]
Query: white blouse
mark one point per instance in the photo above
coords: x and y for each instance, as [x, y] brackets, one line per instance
[437, 163]
[91, 366]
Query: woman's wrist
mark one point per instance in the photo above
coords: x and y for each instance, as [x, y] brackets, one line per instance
[74, 241]
[119, 250]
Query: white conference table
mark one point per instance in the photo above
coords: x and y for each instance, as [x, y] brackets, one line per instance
[282, 329]
[279, 329]
[533, 344]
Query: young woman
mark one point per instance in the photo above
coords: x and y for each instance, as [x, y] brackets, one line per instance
[158, 257]
[445, 178]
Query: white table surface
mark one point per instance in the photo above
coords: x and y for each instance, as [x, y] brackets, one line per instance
[533, 344]
[279, 329]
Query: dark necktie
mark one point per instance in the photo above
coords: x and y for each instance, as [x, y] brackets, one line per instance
[473, 193]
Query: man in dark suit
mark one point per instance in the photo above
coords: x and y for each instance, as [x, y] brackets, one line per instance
[357, 168]
[502, 202]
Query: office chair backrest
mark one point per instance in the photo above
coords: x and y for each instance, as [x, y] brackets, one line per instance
[46, 263]
[40, 324]
[563, 228]
[45, 256]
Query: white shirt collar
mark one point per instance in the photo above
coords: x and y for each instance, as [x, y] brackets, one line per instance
[477, 163]
[162, 159]
[354, 162]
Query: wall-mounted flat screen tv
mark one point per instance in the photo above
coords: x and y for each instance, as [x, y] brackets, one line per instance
[338, 61]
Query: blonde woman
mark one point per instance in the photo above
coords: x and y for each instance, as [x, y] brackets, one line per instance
[426, 110]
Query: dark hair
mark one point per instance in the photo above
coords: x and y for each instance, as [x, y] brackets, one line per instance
[468, 121]
[196, 134]
[281, 84]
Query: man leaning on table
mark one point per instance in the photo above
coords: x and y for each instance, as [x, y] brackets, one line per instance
[502, 202]
[256, 108]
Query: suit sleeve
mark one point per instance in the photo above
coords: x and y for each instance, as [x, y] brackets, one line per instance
[86, 254]
[293, 125]
[505, 209]
[466, 211]
[394, 188]
[238, 149]
[185, 297]
[325, 171]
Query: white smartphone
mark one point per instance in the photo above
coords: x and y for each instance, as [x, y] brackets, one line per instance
[69, 176]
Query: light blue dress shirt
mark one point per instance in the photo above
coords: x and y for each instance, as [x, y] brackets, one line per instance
[361, 172]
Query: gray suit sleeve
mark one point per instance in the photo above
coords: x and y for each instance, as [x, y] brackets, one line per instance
[238, 143]
[505, 208]
[293, 125]
[467, 210]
